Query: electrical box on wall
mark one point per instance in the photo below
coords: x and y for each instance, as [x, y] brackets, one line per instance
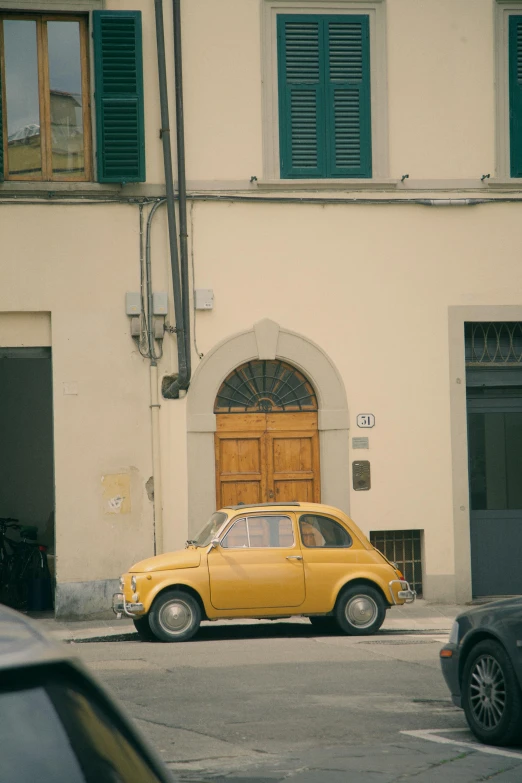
[132, 303]
[204, 298]
[160, 303]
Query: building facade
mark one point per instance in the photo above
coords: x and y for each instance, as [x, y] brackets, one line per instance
[354, 170]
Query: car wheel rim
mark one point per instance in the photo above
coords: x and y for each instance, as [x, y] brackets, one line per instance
[487, 692]
[175, 617]
[361, 611]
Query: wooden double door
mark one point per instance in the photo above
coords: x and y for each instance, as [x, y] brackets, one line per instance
[267, 458]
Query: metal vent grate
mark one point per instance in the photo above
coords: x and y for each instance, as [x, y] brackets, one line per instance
[404, 548]
[493, 343]
[263, 387]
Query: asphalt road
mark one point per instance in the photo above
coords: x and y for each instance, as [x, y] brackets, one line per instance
[278, 701]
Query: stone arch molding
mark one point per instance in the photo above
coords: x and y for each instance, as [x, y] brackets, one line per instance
[266, 340]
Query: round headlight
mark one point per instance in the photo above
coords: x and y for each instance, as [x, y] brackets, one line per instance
[133, 584]
[122, 583]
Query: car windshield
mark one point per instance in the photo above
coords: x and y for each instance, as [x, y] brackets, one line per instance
[211, 529]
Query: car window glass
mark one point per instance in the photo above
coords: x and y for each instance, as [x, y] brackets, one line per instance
[318, 531]
[106, 753]
[260, 532]
[237, 536]
[211, 529]
[34, 743]
[270, 531]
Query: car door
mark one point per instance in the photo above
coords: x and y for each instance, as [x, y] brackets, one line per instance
[330, 554]
[258, 565]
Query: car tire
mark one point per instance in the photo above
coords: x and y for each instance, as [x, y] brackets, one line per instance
[360, 610]
[325, 624]
[143, 628]
[491, 695]
[175, 616]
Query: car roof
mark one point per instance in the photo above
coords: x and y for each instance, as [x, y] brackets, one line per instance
[311, 507]
[22, 644]
[263, 505]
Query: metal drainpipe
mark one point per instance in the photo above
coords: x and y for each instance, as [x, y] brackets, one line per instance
[183, 377]
[173, 386]
[182, 182]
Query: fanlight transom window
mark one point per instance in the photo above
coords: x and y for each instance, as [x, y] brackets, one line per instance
[265, 386]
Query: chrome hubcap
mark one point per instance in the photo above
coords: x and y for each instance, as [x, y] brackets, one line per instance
[361, 611]
[487, 692]
[175, 617]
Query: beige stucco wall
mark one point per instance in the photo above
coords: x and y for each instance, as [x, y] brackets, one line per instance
[76, 263]
[369, 284]
[441, 76]
[440, 85]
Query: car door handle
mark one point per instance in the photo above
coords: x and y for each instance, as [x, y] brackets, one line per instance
[294, 557]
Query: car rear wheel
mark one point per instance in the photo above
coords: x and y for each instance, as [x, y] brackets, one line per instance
[360, 610]
[143, 628]
[491, 695]
[175, 616]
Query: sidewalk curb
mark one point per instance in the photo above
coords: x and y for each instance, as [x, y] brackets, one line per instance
[420, 616]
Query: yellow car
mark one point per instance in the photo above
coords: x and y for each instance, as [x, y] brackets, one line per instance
[269, 560]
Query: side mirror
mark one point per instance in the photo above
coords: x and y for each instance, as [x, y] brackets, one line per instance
[213, 545]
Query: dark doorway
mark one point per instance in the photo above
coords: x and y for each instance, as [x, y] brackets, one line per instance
[26, 442]
[494, 405]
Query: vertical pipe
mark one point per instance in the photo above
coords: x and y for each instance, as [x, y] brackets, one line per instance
[182, 183]
[156, 459]
[169, 186]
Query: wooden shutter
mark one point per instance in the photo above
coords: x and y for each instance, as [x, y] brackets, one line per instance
[324, 96]
[347, 44]
[515, 94]
[301, 97]
[118, 70]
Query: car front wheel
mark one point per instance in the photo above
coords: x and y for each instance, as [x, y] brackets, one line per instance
[175, 616]
[143, 628]
[491, 695]
[360, 610]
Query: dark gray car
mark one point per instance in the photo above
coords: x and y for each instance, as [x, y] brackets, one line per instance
[57, 724]
[482, 665]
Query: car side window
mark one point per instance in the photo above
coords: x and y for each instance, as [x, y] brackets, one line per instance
[318, 531]
[237, 536]
[57, 727]
[255, 532]
[106, 753]
[29, 713]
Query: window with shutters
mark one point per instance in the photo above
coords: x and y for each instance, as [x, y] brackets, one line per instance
[324, 96]
[45, 97]
[325, 102]
[515, 95]
[45, 107]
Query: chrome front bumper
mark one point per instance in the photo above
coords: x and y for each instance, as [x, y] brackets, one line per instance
[406, 593]
[121, 607]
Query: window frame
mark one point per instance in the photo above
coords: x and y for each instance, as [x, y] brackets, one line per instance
[326, 546]
[264, 548]
[504, 9]
[41, 20]
[376, 10]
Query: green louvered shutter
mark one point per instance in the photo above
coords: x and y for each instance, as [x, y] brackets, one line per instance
[515, 94]
[118, 70]
[347, 43]
[301, 97]
[324, 96]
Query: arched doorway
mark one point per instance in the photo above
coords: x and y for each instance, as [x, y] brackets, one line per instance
[267, 439]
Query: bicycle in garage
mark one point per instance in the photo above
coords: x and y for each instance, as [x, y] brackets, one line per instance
[25, 579]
